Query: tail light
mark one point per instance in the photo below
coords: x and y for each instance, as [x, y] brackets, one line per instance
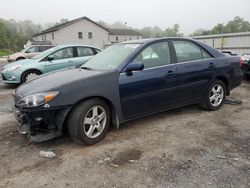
[241, 62]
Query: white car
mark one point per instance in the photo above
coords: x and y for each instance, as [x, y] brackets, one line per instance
[28, 52]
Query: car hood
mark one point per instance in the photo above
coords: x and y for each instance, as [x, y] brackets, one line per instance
[21, 62]
[59, 80]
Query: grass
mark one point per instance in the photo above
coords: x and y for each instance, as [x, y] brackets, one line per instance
[4, 53]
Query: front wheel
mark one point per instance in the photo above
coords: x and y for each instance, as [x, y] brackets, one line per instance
[215, 96]
[89, 121]
[29, 75]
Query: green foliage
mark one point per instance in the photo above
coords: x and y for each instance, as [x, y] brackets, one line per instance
[234, 26]
[158, 32]
[13, 35]
[4, 53]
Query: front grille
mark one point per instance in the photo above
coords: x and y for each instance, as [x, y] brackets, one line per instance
[3, 77]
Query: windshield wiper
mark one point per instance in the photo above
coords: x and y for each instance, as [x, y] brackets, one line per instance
[86, 68]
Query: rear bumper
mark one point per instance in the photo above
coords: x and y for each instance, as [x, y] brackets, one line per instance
[246, 68]
[40, 124]
[236, 81]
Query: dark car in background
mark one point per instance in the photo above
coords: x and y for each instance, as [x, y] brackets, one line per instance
[245, 65]
[124, 82]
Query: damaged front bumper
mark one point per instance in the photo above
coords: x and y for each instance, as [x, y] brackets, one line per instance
[41, 123]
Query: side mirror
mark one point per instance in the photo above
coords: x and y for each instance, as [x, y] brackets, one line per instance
[134, 67]
[50, 58]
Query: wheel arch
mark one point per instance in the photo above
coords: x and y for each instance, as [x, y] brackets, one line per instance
[225, 80]
[20, 57]
[114, 117]
[28, 70]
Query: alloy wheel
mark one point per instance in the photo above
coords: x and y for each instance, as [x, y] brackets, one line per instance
[94, 121]
[216, 95]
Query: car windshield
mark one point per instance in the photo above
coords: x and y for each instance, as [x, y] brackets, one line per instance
[25, 49]
[110, 58]
[44, 53]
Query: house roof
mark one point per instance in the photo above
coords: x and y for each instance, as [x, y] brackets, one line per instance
[111, 31]
[59, 26]
[123, 32]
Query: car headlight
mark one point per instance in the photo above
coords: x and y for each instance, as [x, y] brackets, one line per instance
[12, 68]
[37, 99]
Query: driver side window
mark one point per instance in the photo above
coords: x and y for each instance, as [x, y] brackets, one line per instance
[63, 54]
[154, 55]
[33, 49]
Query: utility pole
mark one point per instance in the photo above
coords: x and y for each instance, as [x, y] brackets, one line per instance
[222, 37]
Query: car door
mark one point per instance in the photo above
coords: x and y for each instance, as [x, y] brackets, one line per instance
[152, 89]
[195, 67]
[83, 54]
[60, 59]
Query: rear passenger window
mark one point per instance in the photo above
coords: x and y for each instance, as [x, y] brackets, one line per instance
[154, 55]
[188, 51]
[84, 51]
[43, 48]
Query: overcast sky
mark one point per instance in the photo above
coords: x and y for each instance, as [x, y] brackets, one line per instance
[189, 14]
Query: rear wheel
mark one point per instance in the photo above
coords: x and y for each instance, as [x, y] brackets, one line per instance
[215, 96]
[89, 121]
[30, 75]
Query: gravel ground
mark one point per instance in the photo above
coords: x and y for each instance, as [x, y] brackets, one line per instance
[186, 147]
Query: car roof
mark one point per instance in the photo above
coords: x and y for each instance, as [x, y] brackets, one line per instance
[74, 45]
[148, 40]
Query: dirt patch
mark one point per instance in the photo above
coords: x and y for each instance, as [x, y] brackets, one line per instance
[187, 147]
[127, 156]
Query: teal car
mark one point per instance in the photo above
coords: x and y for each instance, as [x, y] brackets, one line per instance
[56, 58]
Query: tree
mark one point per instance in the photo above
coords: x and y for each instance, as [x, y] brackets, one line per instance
[3, 35]
[200, 32]
[234, 26]
[173, 31]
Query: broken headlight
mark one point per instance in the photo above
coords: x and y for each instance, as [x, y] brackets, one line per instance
[37, 99]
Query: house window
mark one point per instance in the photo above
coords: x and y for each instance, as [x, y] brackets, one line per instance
[44, 37]
[130, 38]
[116, 39]
[52, 35]
[79, 35]
[90, 35]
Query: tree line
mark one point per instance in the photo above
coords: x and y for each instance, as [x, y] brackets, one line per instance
[14, 34]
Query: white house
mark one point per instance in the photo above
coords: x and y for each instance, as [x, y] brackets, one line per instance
[85, 31]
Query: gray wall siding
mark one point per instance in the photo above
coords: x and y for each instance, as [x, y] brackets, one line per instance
[122, 38]
[69, 35]
[237, 43]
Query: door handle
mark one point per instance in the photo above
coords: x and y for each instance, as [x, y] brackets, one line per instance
[170, 73]
[211, 65]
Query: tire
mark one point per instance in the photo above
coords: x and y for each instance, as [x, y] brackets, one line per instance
[28, 75]
[87, 124]
[247, 77]
[215, 96]
[20, 58]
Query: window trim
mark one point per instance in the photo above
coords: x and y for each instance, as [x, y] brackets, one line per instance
[190, 41]
[80, 34]
[147, 45]
[84, 47]
[90, 35]
[46, 57]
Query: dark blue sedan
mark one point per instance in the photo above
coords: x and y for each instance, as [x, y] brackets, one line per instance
[126, 81]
